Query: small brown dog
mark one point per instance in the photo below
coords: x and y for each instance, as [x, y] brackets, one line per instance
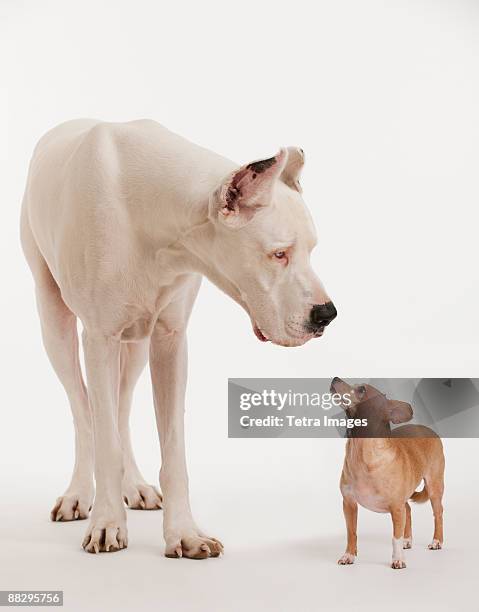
[383, 467]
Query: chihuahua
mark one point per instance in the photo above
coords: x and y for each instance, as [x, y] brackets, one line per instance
[383, 467]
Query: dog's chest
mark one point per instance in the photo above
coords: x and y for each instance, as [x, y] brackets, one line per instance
[140, 317]
[143, 312]
[139, 329]
[366, 493]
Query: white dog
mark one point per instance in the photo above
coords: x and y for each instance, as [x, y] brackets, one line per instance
[119, 223]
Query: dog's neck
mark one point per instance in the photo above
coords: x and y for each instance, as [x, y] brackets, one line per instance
[200, 257]
[371, 431]
[370, 451]
[372, 409]
[372, 442]
[369, 444]
[191, 250]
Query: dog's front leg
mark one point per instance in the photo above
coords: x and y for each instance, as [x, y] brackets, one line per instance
[168, 362]
[350, 509]
[398, 515]
[107, 529]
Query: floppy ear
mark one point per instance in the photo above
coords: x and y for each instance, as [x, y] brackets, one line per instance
[399, 412]
[247, 190]
[292, 170]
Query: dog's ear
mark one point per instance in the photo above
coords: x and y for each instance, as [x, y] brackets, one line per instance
[293, 167]
[399, 412]
[247, 190]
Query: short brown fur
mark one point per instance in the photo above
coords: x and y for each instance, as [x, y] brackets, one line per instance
[382, 471]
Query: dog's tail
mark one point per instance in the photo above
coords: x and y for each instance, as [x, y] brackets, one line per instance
[419, 497]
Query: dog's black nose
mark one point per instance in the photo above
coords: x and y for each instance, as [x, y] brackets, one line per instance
[322, 315]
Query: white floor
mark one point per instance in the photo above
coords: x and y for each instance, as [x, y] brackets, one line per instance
[282, 540]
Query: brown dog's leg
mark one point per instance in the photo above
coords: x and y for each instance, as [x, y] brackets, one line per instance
[398, 516]
[438, 538]
[350, 509]
[435, 486]
[407, 543]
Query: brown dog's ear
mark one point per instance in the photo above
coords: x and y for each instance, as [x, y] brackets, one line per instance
[247, 190]
[399, 412]
[292, 170]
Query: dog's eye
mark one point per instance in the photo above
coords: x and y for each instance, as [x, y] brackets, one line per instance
[281, 256]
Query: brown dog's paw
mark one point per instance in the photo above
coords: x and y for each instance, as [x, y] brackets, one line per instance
[398, 564]
[346, 559]
[407, 543]
[435, 545]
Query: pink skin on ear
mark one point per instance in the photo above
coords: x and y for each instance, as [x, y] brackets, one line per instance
[250, 187]
[293, 167]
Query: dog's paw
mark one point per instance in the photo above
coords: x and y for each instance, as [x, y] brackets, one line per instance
[407, 543]
[435, 545]
[105, 536]
[346, 559]
[398, 564]
[72, 507]
[193, 545]
[141, 496]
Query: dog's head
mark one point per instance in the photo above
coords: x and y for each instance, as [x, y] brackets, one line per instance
[367, 402]
[263, 239]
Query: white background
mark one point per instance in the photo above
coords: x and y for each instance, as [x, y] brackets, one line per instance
[383, 97]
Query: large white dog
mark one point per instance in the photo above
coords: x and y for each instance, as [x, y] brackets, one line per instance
[119, 223]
